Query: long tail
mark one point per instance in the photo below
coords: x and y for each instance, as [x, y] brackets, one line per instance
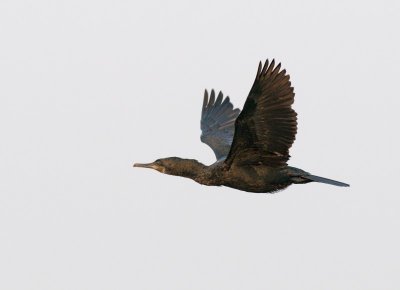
[325, 180]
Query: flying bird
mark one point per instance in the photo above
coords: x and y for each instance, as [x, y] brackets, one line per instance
[251, 146]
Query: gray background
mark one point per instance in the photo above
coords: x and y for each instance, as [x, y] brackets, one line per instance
[89, 87]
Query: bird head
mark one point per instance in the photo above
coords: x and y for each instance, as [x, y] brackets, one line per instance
[163, 165]
[174, 166]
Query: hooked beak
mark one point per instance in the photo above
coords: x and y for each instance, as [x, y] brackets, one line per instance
[149, 165]
[144, 165]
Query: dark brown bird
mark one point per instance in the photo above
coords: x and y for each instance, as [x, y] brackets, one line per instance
[252, 146]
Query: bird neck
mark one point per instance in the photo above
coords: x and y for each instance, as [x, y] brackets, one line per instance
[188, 168]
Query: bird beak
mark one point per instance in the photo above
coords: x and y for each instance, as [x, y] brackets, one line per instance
[149, 165]
[145, 165]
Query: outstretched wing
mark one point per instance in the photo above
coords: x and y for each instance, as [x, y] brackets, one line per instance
[267, 126]
[218, 123]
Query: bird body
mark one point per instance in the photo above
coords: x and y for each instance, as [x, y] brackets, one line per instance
[251, 178]
[251, 146]
[258, 178]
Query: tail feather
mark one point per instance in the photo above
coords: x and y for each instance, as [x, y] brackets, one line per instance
[326, 180]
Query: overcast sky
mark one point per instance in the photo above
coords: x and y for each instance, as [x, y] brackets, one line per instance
[89, 87]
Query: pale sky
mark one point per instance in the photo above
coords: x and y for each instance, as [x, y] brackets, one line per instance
[90, 87]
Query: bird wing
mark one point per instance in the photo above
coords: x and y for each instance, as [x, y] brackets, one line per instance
[267, 125]
[218, 123]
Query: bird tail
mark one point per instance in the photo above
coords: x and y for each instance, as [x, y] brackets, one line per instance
[325, 180]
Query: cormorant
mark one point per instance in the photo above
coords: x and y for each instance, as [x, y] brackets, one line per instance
[251, 146]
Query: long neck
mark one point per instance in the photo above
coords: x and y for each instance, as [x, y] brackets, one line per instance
[188, 168]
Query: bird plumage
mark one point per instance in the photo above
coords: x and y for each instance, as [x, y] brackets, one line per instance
[218, 123]
[251, 146]
[267, 126]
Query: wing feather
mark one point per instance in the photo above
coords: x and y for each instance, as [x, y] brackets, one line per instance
[267, 126]
[218, 123]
